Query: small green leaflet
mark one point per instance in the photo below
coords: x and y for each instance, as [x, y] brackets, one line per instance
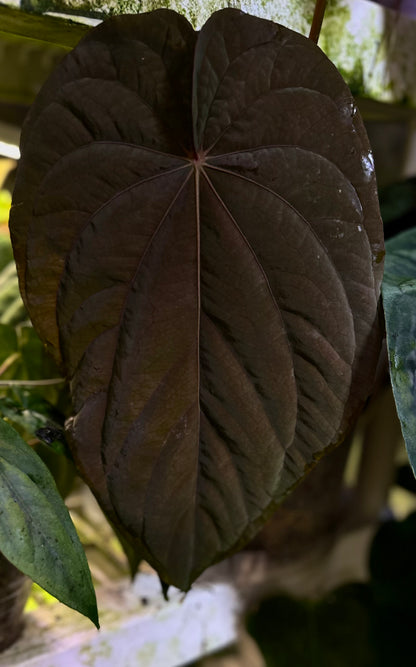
[36, 531]
[399, 299]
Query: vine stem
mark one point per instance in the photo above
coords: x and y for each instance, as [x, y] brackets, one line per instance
[318, 17]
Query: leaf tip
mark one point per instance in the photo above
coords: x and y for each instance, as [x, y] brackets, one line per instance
[165, 589]
[95, 618]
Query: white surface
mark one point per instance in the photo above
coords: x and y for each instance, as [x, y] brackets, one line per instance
[138, 628]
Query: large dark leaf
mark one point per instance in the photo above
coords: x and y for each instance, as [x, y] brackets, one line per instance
[199, 244]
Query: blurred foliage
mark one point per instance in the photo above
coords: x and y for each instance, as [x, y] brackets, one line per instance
[31, 46]
[38, 598]
[405, 478]
[12, 310]
[6, 256]
[333, 632]
[34, 409]
[398, 206]
[364, 625]
[393, 586]
[5, 201]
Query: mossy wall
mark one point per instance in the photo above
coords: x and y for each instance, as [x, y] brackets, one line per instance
[295, 14]
[373, 47]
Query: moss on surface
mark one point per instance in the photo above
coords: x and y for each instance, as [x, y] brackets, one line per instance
[295, 14]
[371, 46]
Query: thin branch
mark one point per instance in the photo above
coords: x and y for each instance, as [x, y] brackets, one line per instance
[318, 17]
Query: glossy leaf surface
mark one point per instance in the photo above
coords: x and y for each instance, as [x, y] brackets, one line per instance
[399, 301]
[36, 531]
[198, 241]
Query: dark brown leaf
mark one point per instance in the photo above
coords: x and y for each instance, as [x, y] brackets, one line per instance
[198, 240]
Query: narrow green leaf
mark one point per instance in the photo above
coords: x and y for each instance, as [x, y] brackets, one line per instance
[32, 46]
[36, 532]
[49, 30]
[399, 299]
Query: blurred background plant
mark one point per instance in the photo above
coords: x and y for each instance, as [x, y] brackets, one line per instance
[34, 401]
[33, 396]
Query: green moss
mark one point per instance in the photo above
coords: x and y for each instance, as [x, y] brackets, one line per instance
[145, 655]
[91, 656]
[355, 78]
[353, 52]
[88, 8]
[373, 51]
[295, 14]
[126, 7]
[334, 33]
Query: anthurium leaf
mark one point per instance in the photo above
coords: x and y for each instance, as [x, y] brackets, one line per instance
[399, 301]
[199, 245]
[36, 531]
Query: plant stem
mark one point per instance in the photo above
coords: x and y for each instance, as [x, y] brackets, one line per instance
[9, 362]
[31, 383]
[318, 17]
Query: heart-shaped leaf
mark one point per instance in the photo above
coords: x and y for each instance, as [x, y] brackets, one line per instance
[199, 244]
[36, 531]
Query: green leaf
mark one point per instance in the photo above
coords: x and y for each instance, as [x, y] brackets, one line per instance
[49, 30]
[34, 417]
[399, 299]
[36, 532]
[27, 412]
[32, 46]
